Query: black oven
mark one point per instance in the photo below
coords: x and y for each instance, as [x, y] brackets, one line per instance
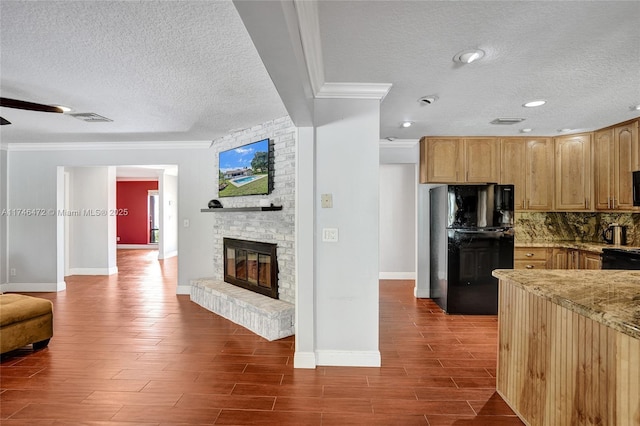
[620, 259]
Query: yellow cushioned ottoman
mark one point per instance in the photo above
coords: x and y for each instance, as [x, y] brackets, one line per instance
[24, 320]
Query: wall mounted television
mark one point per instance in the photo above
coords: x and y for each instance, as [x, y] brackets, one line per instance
[245, 170]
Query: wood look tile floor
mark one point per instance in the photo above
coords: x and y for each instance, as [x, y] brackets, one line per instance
[127, 350]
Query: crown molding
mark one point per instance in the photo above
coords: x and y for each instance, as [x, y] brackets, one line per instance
[354, 91]
[107, 146]
[309, 32]
[399, 143]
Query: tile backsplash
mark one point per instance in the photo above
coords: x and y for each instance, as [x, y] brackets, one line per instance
[573, 226]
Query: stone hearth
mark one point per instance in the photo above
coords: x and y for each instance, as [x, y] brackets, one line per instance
[270, 318]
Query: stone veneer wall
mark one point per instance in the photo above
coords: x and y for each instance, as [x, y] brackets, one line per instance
[270, 227]
[573, 226]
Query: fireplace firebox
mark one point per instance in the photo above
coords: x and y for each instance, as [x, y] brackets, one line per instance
[251, 265]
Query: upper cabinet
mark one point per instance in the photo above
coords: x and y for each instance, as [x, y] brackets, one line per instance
[581, 172]
[616, 155]
[481, 160]
[534, 182]
[457, 160]
[573, 172]
[439, 160]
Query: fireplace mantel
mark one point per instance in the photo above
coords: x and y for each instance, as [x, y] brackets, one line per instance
[242, 209]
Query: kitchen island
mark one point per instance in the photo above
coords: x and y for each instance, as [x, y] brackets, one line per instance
[569, 346]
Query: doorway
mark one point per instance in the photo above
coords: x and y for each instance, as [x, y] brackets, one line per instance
[82, 189]
[153, 203]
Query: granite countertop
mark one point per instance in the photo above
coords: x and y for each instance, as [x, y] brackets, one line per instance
[610, 297]
[593, 247]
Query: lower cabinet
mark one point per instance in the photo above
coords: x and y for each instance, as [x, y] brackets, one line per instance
[590, 260]
[560, 259]
[555, 258]
[531, 258]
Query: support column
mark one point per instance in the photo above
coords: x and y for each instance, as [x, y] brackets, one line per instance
[346, 271]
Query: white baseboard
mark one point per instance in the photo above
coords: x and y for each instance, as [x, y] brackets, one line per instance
[349, 358]
[33, 287]
[137, 246]
[304, 360]
[93, 271]
[183, 289]
[397, 275]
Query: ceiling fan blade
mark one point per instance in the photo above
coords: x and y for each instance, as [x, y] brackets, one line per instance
[3, 121]
[31, 106]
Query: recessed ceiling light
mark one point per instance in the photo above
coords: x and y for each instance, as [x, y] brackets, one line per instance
[428, 100]
[391, 138]
[564, 130]
[407, 124]
[468, 56]
[526, 130]
[636, 107]
[64, 108]
[534, 104]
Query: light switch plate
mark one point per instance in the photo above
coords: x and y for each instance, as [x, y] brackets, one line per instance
[330, 235]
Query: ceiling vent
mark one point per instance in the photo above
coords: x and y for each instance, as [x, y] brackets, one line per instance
[507, 120]
[91, 117]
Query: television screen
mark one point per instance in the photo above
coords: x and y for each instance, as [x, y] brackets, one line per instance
[245, 170]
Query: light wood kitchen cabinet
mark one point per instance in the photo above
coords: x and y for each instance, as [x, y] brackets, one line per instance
[531, 258]
[616, 153]
[458, 160]
[559, 258]
[439, 160]
[534, 182]
[573, 259]
[481, 160]
[590, 260]
[573, 172]
[564, 258]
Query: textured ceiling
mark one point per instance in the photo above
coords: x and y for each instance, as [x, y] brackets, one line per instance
[582, 57]
[170, 70]
[188, 70]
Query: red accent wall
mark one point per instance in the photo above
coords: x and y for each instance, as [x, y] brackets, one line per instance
[133, 228]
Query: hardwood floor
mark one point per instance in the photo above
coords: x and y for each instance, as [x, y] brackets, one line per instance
[127, 350]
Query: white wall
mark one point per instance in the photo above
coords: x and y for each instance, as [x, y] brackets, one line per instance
[400, 151]
[92, 229]
[32, 184]
[398, 221]
[3, 218]
[346, 272]
[168, 211]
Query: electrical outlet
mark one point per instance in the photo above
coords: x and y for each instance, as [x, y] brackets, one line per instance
[12, 272]
[330, 235]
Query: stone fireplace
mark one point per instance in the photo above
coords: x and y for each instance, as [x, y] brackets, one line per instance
[269, 312]
[248, 295]
[251, 265]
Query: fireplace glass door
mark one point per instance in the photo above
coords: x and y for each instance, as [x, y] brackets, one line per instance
[251, 265]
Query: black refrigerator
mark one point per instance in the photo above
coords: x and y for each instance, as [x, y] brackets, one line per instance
[471, 234]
